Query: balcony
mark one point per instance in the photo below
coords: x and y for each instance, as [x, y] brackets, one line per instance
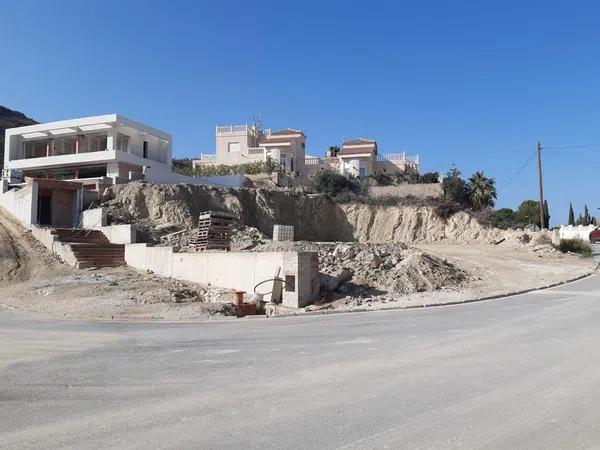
[399, 158]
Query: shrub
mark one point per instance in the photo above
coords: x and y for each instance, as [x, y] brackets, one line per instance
[250, 168]
[447, 208]
[429, 178]
[575, 246]
[382, 179]
[334, 184]
[525, 238]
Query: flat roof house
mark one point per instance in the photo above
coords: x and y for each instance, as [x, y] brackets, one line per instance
[90, 149]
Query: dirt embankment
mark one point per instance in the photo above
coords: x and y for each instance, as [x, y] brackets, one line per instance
[315, 218]
[34, 280]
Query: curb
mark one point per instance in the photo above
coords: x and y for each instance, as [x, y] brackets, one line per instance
[432, 305]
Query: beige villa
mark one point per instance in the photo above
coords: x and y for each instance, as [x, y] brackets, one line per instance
[237, 144]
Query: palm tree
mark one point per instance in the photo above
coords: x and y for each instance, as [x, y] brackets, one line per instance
[334, 150]
[483, 191]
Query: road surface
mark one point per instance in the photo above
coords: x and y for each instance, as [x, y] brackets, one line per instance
[522, 372]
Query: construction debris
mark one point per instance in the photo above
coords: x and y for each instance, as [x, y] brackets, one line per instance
[357, 269]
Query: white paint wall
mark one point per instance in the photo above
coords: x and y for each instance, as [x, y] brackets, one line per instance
[22, 204]
[232, 270]
[576, 232]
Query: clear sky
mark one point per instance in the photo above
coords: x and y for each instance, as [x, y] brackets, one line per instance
[470, 83]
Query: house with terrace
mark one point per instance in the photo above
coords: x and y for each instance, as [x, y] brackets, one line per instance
[238, 144]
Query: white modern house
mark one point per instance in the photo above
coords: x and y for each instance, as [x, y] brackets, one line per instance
[89, 149]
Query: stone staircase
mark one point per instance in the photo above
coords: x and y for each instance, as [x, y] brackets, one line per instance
[91, 248]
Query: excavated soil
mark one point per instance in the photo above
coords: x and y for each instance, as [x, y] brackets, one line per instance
[315, 218]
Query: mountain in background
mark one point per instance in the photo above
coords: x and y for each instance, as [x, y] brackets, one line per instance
[11, 119]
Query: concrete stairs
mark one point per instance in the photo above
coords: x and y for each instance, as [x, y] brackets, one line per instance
[91, 248]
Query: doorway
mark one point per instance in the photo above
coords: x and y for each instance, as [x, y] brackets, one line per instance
[45, 208]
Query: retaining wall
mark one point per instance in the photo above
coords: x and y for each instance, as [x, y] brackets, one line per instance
[576, 232]
[234, 270]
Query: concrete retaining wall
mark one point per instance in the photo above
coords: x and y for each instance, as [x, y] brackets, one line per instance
[434, 190]
[51, 242]
[234, 270]
[93, 218]
[21, 204]
[576, 232]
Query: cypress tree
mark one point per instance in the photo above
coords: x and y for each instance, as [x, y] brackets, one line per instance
[571, 215]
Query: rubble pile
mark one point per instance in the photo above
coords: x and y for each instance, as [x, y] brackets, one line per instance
[357, 269]
[538, 242]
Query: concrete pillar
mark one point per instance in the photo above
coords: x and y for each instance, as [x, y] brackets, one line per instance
[111, 140]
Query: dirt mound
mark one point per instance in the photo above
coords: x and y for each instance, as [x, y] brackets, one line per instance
[373, 269]
[413, 224]
[315, 218]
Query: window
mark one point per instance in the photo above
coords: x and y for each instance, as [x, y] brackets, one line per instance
[283, 160]
[122, 142]
[145, 149]
[233, 147]
[303, 145]
[97, 142]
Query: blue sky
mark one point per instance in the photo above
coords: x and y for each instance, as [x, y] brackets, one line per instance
[469, 83]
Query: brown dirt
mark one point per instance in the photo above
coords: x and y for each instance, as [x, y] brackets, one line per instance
[33, 280]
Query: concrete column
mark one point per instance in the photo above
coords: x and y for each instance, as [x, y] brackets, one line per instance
[111, 140]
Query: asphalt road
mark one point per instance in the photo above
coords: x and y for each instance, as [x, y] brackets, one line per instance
[522, 372]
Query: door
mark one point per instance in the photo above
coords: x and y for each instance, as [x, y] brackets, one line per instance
[45, 209]
[362, 172]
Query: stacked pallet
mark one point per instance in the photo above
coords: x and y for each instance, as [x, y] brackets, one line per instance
[214, 231]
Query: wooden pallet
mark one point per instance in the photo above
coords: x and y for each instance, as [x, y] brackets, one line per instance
[214, 231]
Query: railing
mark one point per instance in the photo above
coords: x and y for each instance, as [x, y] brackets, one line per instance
[399, 158]
[232, 129]
[256, 151]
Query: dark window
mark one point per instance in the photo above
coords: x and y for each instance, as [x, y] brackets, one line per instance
[145, 154]
[290, 283]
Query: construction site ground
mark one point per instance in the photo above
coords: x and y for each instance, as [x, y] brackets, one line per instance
[33, 280]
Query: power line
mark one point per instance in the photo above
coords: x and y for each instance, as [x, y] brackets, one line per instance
[556, 147]
[518, 172]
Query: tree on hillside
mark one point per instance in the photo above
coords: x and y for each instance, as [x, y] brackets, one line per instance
[586, 216]
[529, 213]
[546, 214]
[429, 177]
[503, 218]
[571, 215]
[482, 191]
[456, 189]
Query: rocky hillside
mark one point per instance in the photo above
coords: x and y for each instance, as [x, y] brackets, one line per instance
[315, 218]
[11, 119]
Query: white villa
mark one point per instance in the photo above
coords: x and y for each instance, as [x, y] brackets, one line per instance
[89, 149]
[94, 151]
[236, 144]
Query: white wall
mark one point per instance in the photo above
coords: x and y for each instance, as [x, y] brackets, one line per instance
[576, 232]
[232, 270]
[22, 204]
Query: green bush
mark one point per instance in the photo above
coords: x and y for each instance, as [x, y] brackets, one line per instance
[575, 246]
[250, 168]
[334, 184]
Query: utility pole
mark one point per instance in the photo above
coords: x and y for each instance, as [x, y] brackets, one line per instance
[539, 159]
